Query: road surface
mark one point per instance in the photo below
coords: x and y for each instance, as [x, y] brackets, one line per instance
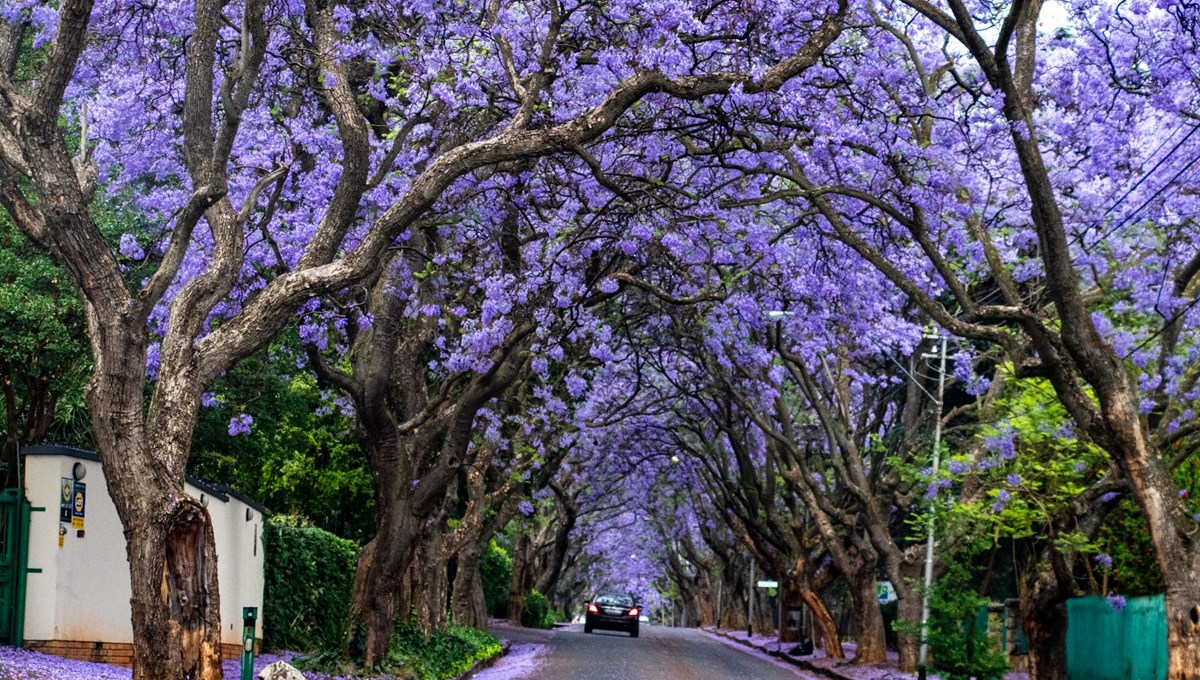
[659, 654]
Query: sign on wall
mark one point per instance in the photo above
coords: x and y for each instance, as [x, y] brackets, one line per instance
[78, 505]
[64, 506]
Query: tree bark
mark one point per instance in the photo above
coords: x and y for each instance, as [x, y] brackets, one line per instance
[1044, 618]
[521, 578]
[908, 611]
[824, 627]
[868, 620]
[467, 602]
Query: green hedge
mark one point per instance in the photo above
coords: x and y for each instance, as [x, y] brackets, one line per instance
[309, 578]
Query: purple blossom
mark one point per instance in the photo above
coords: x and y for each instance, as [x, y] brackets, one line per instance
[525, 507]
[957, 467]
[1014, 479]
[1117, 602]
[1003, 443]
[129, 247]
[1104, 560]
[1002, 499]
[935, 487]
[1110, 496]
[240, 424]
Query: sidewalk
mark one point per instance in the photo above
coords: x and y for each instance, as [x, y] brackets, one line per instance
[834, 669]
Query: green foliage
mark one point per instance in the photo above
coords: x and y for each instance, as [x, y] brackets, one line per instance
[412, 655]
[1125, 537]
[44, 355]
[301, 455]
[441, 656]
[537, 612]
[309, 578]
[495, 569]
[961, 649]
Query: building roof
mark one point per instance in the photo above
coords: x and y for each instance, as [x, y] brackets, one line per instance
[219, 491]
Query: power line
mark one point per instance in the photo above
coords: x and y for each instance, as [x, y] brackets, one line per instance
[1169, 184]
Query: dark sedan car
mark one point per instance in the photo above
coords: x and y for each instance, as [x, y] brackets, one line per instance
[613, 611]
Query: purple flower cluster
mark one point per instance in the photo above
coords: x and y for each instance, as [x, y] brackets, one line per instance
[240, 424]
[1002, 499]
[1117, 602]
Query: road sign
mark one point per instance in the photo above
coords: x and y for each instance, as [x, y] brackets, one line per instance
[886, 592]
[768, 584]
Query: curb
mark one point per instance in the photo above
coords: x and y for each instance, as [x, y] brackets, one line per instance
[505, 645]
[800, 663]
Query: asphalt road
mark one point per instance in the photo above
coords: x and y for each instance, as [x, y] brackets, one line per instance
[658, 654]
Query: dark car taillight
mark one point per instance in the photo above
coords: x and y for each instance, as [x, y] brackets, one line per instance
[593, 609]
[633, 612]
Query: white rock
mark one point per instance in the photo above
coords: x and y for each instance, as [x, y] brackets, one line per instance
[280, 671]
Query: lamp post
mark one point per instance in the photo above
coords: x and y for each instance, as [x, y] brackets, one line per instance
[937, 441]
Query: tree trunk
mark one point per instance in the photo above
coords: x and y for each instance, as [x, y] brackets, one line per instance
[908, 612]
[1044, 617]
[173, 570]
[378, 579]
[467, 604]
[824, 627]
[427, 577]
[868, 620]
[175, 600]
[733, 613]
[520, 581]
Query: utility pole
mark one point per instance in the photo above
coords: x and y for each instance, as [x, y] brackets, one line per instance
[937, 443]
[750, 618]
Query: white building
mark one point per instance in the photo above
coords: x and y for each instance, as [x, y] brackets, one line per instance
[77, 584]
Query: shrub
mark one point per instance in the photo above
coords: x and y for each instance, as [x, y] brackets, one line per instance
[309, 577]
[441, 656]
[537, 612]
[495, 570]
[961, 650]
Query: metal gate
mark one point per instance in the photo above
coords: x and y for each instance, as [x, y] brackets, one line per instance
[14, 554]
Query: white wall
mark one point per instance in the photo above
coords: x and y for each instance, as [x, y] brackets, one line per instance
[83, 591]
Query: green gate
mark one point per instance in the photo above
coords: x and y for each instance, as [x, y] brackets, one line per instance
[14, 554]
[1105, 644]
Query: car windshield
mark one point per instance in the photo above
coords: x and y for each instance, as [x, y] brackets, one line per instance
[619, 600]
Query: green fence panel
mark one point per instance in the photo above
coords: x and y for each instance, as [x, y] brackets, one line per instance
[1105, 644]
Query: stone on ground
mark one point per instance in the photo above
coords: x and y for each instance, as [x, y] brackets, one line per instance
[280, 670]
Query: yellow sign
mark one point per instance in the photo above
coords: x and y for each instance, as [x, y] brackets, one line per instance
[78, 505]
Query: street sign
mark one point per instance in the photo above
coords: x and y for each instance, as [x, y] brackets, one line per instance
[886, 592]
[768, 584]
